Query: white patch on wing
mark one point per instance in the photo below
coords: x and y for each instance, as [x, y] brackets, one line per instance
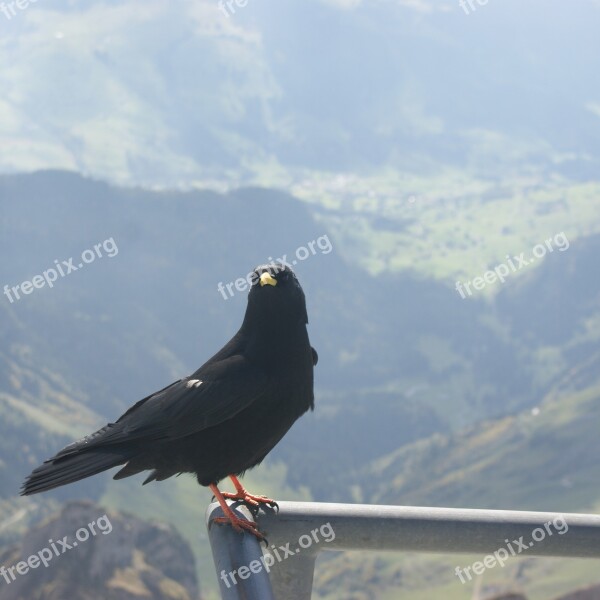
[194, 383]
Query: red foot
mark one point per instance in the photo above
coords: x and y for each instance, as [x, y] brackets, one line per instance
[230, 518]
[249, 498]
[241, 525]
[241, 494]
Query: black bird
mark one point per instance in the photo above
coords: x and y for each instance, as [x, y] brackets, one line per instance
[220, 421]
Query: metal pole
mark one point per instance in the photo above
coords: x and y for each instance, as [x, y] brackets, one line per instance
[415, 529]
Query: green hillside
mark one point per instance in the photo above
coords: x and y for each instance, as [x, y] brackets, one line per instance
[422, 397]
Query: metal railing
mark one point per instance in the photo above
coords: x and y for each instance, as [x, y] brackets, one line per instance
[245, 573]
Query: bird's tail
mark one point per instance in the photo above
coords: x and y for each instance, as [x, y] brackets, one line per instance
[69, 468]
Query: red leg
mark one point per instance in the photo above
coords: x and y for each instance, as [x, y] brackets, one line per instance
[245, 496]
[230, 518]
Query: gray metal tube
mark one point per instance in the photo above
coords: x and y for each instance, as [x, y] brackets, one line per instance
[305, 529]
[423, 529]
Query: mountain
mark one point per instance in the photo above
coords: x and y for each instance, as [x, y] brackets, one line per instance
[171, 95]
[144, 561]
[401, 154]
[422, 396]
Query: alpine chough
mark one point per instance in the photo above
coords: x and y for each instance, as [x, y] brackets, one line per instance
[221, 420]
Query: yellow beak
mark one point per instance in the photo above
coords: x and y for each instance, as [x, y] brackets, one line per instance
[267, 279]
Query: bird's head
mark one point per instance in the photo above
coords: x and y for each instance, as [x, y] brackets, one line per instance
[276, 296]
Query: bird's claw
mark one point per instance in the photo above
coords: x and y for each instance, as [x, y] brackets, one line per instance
[241, 525]
[251, 499]
[254, 508]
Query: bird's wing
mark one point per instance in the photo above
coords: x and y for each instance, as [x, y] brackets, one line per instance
[186, 406]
